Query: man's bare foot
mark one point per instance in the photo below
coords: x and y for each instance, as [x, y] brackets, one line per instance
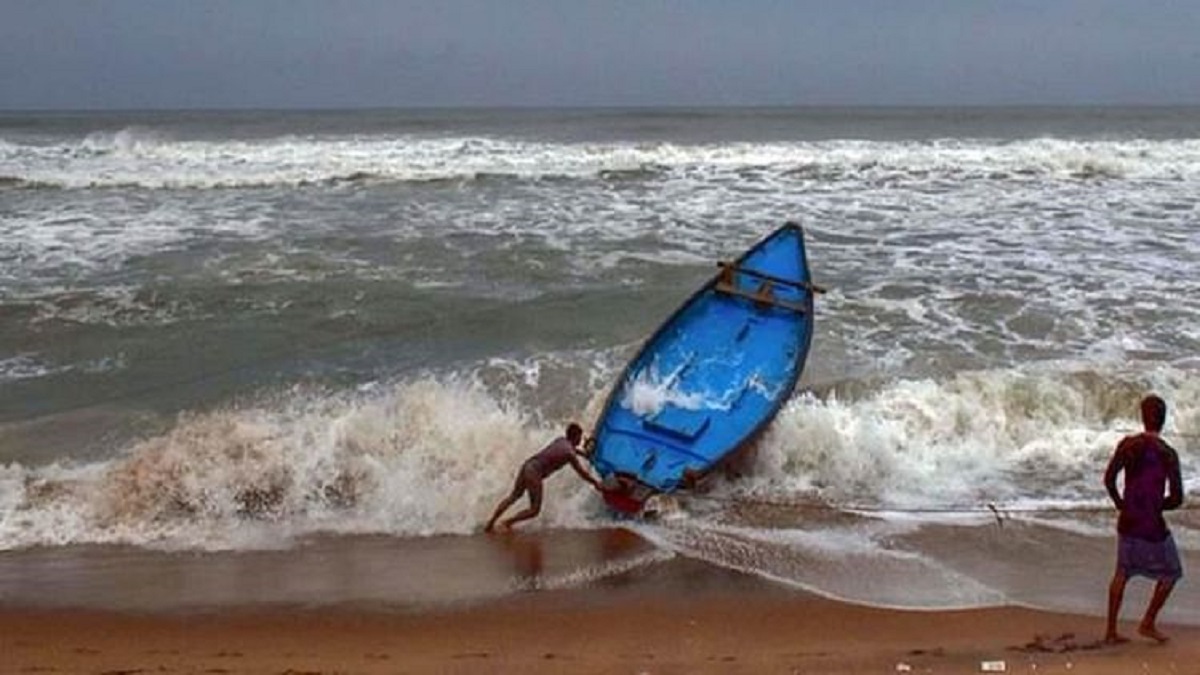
[1115, 639]
[1152, 633]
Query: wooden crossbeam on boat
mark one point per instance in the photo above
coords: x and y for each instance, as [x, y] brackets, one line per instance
[728, 269]
[764, 296]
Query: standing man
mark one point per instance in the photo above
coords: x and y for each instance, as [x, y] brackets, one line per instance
[1145, 546]
[561, 451]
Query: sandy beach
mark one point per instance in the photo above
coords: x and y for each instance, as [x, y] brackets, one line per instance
[682, 616]
[759, 631]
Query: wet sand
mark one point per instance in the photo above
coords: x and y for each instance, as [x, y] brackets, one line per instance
[337, 608]
[634, 630]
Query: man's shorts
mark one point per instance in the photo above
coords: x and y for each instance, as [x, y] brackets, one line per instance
[1155, 559]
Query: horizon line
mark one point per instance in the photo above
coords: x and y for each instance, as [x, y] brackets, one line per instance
[604, 107]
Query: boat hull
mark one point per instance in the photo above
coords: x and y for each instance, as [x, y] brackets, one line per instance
[711, 377]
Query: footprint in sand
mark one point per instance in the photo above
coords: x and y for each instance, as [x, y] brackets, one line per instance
[803, 655]
[1057, 645]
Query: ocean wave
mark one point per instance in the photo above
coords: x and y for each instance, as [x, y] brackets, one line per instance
[31, 366]
[971, 439]
[633, 174]
[113, 306]
[24, 367]
[18, 183]
[417, 461]
[432, 455]
[142, 158]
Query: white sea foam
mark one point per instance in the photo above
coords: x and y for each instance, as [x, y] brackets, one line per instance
[650, 391]
[434, 456]
[23, 366]
[592, 573]
[858, 563]
[29, 366]
[942, 254]
[140, 157]
[424, 458]
[977, 438]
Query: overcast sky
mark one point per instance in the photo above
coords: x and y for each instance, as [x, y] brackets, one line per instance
[89, 54]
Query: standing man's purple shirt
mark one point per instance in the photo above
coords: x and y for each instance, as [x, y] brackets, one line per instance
[1149, 464]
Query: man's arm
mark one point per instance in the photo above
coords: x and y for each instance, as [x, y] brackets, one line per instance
[1174, 483]
[584, 473]
[1115, 466]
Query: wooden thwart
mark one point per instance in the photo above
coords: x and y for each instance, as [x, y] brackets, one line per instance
[764, 296]
[728, 269]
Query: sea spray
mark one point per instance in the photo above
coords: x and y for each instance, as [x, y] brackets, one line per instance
[426, 457]
[433, 455]
[975, 438]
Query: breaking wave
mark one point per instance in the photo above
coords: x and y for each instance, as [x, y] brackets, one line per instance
[136, 157]
[432, 456]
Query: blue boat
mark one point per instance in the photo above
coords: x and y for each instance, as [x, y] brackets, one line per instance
[711, 378]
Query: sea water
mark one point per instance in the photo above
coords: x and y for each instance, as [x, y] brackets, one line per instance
[234, 331]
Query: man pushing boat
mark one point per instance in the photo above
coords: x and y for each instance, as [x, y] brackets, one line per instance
[560, 452]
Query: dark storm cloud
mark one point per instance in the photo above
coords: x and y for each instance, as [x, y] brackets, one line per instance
[184, 54]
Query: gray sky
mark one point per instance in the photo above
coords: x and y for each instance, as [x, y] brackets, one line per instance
[303, 53]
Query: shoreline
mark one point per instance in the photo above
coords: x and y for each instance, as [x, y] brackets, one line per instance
[682, 617]
[755, 627]
[545, 601]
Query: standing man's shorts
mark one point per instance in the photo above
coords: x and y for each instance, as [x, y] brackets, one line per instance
[1155, 559]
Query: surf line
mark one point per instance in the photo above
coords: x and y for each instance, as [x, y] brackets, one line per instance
[1000, 512]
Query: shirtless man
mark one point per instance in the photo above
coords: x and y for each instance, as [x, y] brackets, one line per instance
[561, 451]
[1145, 546]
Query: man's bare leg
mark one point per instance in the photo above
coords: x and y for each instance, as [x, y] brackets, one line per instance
[503, 506]
[1116, 593]
[1162, 591]
[535, 507]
